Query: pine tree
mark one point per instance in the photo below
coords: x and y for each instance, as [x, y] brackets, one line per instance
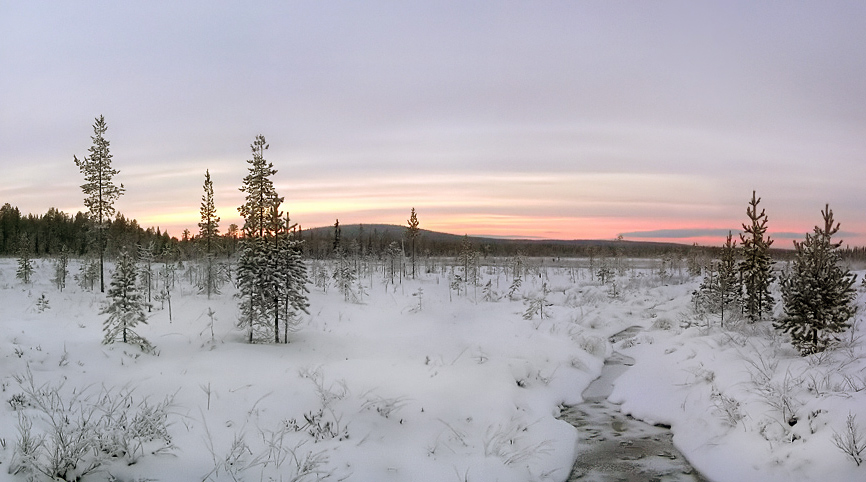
[515, 286]
[345, 276]
[720, 290]
[605, 272]
[395, 255]
[209, 224]
[730, 289]
[126, 306]
[487, 292]
[252, 302]
[209, 234]
[295, 290]
[88, 272]
[25, 261]
[818, 293]
[259, 189]
[757, 266]
[100, 192]
[535, 303]
[467, 259]
[412, 231]
[271, 275]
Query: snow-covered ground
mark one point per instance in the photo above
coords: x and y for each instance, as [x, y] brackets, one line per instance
[449, 388]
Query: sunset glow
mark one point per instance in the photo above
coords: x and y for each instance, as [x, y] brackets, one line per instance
[565, 120]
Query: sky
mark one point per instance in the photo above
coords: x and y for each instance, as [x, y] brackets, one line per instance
[549, 119]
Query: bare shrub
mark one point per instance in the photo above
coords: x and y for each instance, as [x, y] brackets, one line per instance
[726, 407]
[382, 405]
[852, 442]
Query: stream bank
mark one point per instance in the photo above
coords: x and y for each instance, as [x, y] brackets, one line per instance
[617, 447]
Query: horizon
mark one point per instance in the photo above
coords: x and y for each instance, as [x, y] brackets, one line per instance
[557, 121]
[774, 236]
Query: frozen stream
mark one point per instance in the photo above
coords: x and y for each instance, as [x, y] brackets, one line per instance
[616, 447]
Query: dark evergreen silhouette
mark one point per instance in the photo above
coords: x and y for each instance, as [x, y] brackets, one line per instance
[209, 236]
[412, 232]
[25, 261]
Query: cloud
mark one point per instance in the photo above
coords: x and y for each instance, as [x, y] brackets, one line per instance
[718, 232]
[800, 236]
[680, 233]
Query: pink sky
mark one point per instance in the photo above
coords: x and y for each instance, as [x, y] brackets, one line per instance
[557, 120]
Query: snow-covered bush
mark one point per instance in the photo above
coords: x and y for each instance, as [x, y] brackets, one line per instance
[852, 441]
[65, 435]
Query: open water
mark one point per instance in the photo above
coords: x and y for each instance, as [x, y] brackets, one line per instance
[618, 448]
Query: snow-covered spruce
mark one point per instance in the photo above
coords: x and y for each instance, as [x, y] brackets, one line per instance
[25, 260]
[126, 306]
[271, 276]
[720, 291]
[209, 238]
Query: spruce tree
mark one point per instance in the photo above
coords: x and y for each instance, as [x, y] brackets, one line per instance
[730, 289]
[271, 276]
[209, 224]
[259, 189]
[25, 260]
[297, 278]
[253, 265]
[757, 266]
[818, 293]
[395, 258]
[125, 307]
[412, 231]
[100, 192]
[337, 245]
[515, 286]
[253, 304]
[209, 234]
[345, 276]
[720, 290]
[466, 259]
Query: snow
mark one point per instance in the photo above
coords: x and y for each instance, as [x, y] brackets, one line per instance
[461, 389]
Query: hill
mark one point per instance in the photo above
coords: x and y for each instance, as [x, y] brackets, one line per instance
[380, 235]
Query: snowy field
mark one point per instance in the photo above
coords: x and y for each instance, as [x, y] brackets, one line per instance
[444, 386]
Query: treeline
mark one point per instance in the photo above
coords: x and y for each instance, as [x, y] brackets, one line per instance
[48, 234]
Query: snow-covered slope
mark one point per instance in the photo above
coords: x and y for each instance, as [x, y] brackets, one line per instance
[449, 388]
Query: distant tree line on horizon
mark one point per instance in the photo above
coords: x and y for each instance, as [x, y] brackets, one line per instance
[47, 233]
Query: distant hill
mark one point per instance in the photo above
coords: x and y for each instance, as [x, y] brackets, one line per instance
[444, 242]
